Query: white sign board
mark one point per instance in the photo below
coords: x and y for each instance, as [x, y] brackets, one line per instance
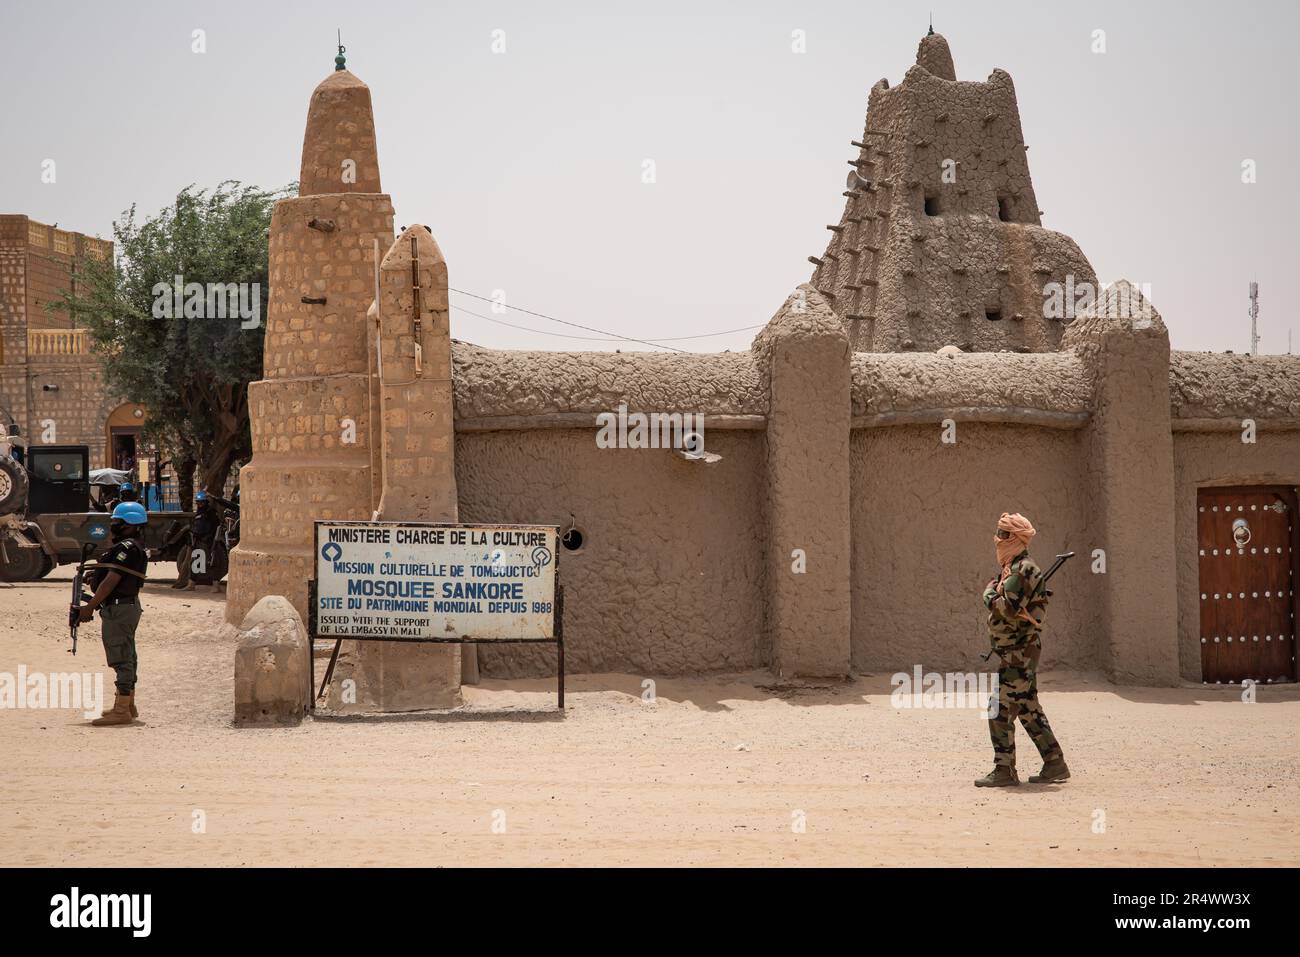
[399, 581]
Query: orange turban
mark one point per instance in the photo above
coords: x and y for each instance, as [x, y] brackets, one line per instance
[1021, 533]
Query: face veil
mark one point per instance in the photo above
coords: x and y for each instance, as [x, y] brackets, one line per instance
[1019, 533]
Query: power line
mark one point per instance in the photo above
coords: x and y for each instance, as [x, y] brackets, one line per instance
[710, 335]
[565, 335]
[575, 325]
[540, 332]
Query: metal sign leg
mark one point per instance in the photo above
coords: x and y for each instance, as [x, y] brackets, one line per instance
[329, 670]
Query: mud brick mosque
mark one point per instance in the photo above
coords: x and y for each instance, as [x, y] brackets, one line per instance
[911, 391]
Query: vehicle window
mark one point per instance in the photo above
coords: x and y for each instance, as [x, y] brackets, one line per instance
[58, 467]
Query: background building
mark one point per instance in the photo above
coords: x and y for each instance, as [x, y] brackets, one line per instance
[50, 383]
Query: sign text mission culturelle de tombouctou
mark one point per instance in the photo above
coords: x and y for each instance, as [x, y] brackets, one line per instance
[397, 582]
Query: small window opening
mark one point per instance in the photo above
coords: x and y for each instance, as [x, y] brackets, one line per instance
[993, 315]
[1004, 209]
[933, 207]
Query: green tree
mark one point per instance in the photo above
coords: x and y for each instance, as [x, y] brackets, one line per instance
[163, 339]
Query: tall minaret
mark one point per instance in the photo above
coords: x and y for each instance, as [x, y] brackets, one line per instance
[313, 413]
[941, 239]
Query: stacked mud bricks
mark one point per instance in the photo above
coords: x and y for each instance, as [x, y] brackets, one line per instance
[314, 454]
[353, 419]
[418, 462]
[416, 436]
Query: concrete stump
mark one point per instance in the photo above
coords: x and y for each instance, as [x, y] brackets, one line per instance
[272, 665]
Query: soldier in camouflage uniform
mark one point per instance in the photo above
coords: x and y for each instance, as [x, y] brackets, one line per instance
[1016, 603]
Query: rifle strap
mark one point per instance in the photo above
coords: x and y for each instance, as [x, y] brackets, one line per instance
[1023, 611]
[119, 568]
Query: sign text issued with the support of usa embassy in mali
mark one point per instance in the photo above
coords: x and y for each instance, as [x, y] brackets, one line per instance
[396, 581]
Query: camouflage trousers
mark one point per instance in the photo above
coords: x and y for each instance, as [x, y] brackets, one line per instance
[1018, 698]
[117, 630]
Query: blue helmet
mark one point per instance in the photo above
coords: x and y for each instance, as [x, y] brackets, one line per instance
[127, 487]
[132, 513]
[201, 497]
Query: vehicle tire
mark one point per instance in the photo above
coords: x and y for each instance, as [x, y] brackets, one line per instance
[13, 486]
[24, 564]
[49, 566]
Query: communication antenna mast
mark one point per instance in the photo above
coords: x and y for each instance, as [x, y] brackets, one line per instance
[1254, 318]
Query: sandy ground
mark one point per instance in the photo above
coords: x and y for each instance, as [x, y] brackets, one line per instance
[717, 771]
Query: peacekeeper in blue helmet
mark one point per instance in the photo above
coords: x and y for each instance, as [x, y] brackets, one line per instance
[125, 493]
[117, 576]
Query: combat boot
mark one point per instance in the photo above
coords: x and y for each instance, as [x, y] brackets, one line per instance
[134, 714]
[1002, 776]
[1053, 771]
[120, 713]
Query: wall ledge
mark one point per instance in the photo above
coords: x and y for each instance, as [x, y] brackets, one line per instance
[587, 420]
[1233, 424]
[997, 415]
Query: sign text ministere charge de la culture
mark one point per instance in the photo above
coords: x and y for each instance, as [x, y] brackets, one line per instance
[392, 580]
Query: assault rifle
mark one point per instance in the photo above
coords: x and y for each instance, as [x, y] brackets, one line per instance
[1041, 589]
[78, 596]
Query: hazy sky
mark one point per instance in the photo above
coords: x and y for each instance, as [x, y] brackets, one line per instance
[528, 164]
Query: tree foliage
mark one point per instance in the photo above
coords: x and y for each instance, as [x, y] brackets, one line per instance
[191, 373]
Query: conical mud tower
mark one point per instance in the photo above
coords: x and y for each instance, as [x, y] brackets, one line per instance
[313, 415]
[353, 419]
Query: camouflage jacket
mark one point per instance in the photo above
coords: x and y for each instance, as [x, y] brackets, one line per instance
[1016, 608]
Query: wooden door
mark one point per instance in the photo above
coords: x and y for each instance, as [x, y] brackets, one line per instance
[1247, 546]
